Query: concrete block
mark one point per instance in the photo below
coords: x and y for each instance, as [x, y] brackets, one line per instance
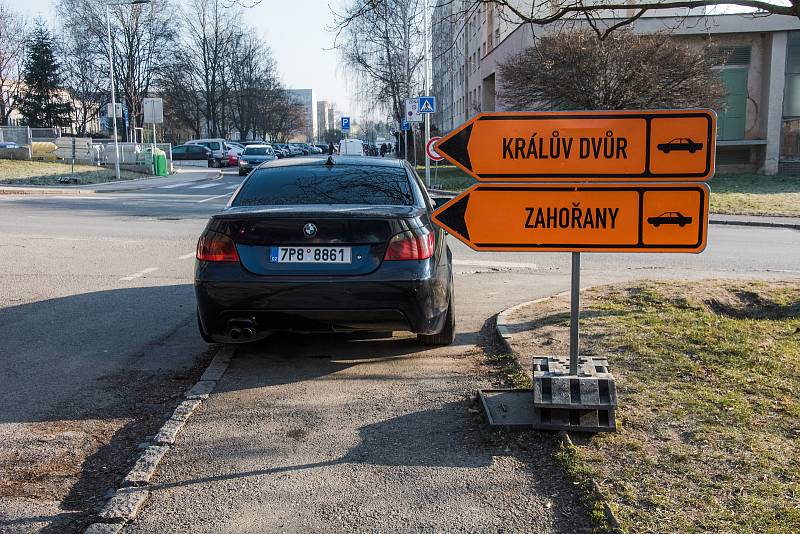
[186, 409]
[574, 419]
[124, 505]
[104, 528]
[145, 467]
[169, 432]
[202, 389]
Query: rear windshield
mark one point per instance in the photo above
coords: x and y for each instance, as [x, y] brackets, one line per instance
[321, 184]
[257, 151]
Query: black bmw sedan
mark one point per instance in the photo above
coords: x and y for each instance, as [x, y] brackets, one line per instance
[336, 244]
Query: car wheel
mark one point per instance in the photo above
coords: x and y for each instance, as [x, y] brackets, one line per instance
[692, 151]
[681, 224]
[203, 334]
[656, 224]
[448, 333]
[666, 151]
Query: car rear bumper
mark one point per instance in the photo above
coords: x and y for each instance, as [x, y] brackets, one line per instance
[348, 304]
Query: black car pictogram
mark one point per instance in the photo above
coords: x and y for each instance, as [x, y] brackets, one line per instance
[680, 143]
[670, 217]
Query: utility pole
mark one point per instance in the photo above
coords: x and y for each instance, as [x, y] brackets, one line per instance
[427, 93]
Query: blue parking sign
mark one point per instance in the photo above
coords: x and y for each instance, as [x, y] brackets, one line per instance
[345, 123]
[427, 104]
[406, 126]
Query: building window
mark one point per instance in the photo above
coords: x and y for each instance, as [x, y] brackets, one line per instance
[791, 98]
[734, 62]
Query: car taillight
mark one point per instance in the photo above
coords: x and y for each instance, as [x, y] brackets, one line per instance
[413, 245]
[214, 246]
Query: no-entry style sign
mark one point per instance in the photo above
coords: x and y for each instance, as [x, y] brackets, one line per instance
[435, 156]
[674, 145]
[558, 217]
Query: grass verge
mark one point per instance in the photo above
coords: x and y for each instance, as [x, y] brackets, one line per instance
[708, 378]
[48, 173]
[753, 194]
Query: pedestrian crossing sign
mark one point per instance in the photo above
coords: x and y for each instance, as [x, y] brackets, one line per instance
[427, 104]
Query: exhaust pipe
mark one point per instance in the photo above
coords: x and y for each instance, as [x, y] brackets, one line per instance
[235, 333]
[248, 333]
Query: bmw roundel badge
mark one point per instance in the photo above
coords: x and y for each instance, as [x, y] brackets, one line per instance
[310, 230]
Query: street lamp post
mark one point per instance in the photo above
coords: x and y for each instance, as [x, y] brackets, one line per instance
[111, 68]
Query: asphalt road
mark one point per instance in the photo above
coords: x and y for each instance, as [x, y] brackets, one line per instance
[97, 323]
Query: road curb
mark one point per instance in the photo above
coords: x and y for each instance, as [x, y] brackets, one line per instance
[758, 224]
[127, 501]
[505, 335]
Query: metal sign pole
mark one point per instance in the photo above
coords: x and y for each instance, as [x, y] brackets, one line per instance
[575, 310]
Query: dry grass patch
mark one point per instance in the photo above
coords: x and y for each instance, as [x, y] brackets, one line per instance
[708, 378]
[753, 194]
[48, 173]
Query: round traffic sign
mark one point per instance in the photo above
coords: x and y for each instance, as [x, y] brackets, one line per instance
[435, 156]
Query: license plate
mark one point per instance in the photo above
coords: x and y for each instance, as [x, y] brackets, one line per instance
[310, 255]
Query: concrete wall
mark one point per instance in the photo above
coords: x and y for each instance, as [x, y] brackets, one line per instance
[22, 153]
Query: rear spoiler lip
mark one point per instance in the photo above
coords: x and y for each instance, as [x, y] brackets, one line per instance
[324, 211]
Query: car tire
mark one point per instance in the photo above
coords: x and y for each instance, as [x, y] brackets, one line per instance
[692, 151]
[666, 151]
[203, 334]
[656, 224]
[448, 333]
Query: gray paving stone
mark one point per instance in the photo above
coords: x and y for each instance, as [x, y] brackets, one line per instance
[169, 432]
[104, 528]
[186, 409]
[145, 467]
[124, 505]
[202, 389]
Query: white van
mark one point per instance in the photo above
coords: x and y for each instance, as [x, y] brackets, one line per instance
[351, 147]
[218, 147]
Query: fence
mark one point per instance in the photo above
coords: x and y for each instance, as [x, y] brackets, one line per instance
[20, 135]
[129, 153]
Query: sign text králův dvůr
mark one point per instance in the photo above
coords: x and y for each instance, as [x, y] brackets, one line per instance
[593, 145]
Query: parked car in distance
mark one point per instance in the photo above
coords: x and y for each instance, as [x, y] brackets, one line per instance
[670, 217]
[8, 144]
[253, 156]
[218, 146]
[351, 147]
[323, 149]
[680, 143]
[337, 244]
[193, 153]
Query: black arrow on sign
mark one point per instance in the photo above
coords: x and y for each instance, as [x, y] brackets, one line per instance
[453, 215]
[456, 147]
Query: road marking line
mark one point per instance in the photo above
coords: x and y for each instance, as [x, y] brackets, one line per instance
[186, 256]
[139, 274]
[205, 186]
[212, 198]
[234, 186]
[173, 186]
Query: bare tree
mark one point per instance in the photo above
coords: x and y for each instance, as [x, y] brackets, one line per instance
[253, 80]
[576, 70]
[80, 65]
[14, 31]
[280, 117]
[209, 34]
[142, 36]
[381, 43]
[603, 16]
[184, 107]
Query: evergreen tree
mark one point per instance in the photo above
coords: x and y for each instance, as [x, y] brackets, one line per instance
[42, 104]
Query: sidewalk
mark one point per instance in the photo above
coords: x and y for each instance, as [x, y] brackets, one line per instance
[146, 182]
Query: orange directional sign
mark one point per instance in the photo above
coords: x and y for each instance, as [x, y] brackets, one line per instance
[676, 145]
[559, 217]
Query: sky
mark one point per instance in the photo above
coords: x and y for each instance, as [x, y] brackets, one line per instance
[295, 31]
